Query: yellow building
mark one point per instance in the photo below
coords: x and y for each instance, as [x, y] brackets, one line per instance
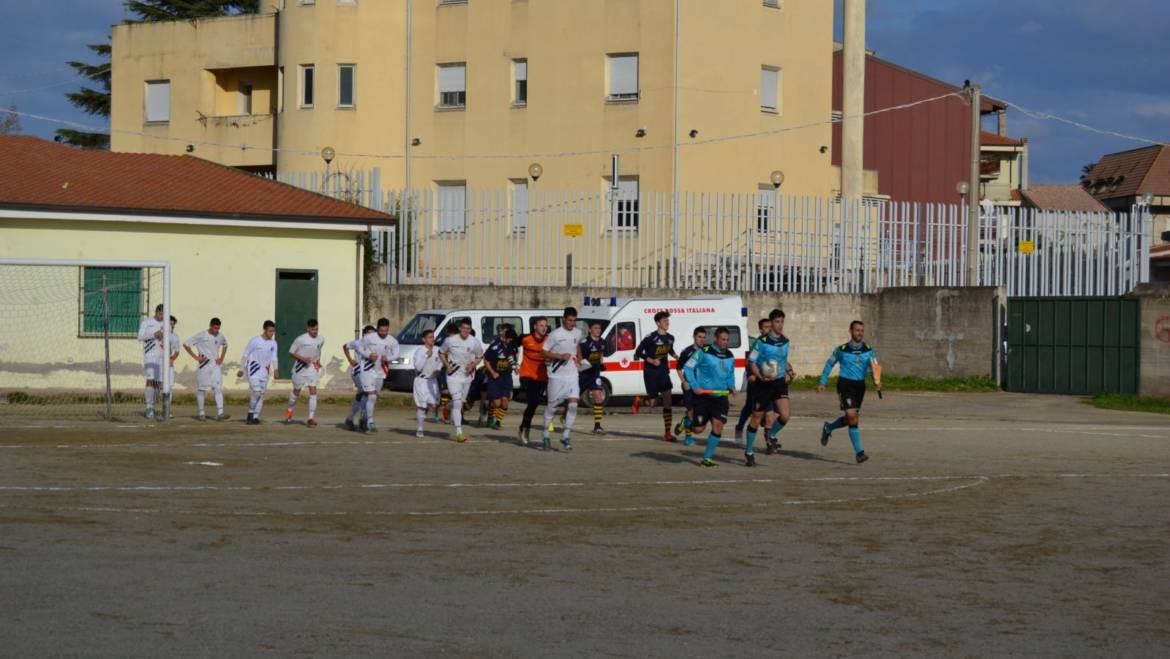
[239, 247]
[461, 93]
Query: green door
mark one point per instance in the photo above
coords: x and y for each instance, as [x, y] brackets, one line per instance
[1073, 345]
[296, 302]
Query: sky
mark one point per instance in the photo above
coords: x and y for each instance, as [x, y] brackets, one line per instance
[1099, 63]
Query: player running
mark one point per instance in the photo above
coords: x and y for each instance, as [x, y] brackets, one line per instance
[209, 348]
[362, 357]
[461, 355]
[764, 325]
[688, 397]
[306, 353]
[589, 382]
[258, 362]
[533, 374]
[427, 367]
[150, 333]
[857, 360]
[769, 363]
[443, 415]
[711, 372]
[562, 354]
[655, 351]
[498, 363]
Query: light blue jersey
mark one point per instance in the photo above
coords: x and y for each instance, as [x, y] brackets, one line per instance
[772, 348]
[856, 360]
[711, 369]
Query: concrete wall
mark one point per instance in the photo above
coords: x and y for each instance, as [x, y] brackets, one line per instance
[928, 332]
[1155, 339]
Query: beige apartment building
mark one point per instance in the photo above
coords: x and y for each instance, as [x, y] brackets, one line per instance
[695, 95]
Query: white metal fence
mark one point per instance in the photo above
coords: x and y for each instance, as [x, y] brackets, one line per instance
[742, 242]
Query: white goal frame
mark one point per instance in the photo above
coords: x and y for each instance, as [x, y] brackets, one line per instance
[114, 263]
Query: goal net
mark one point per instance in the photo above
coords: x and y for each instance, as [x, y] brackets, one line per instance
[69, 338]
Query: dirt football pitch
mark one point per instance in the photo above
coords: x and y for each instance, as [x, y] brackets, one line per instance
[984, 525]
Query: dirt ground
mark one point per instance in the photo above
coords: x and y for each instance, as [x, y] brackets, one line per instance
[984, 525]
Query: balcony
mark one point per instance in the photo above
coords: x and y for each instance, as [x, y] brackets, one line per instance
[243, 140]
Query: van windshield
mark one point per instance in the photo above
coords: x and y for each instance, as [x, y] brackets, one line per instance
[412, 333]
[584, 324]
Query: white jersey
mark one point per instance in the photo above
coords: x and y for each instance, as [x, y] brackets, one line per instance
[461, 352]
[207, 345]
[388, 348]
[561, 341]
[152, 346]
[308, 348]
[259, 355]
[424, 366]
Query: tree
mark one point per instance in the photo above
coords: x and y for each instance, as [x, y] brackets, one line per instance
[9, 120]
[95, 99]
[1085, 169]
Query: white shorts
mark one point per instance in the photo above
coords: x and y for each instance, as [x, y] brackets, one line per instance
[209, 376]
[306, 377]
[152, 371]
[458, 385]
[259, 384]
[426, 392]
[371, 380]
[562, 389]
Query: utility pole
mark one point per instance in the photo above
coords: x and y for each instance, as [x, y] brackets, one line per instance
[974, 197]
[853, 105]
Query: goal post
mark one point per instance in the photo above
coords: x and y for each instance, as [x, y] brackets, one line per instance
[69, 345]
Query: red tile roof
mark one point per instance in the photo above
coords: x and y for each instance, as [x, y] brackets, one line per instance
[35, 173]
[1131, 173]
[1070, 197]
[992, 139]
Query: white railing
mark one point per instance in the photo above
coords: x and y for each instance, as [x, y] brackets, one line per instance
[740, 242]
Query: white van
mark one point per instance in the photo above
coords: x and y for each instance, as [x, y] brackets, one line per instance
[485, 323]
[626, 321]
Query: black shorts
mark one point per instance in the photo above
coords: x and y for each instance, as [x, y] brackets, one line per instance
[478, 385]
[589, 381]
[709, 408]
[766, 394]
[851, 393]
[500, 387]
[657, 383]
[534, 390]
[688, 398]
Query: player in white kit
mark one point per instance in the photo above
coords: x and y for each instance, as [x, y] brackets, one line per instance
[150, 333]
[209, 348]
[562, 354]
[377, 349]
[427, 365]
[258, 362]
[461, 354]
[357, 353]
[306, 369]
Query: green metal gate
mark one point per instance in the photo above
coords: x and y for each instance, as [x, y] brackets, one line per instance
[1073, 345]
[296, 302]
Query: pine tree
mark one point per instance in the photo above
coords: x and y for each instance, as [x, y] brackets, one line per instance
[9, 120]
[95, 99]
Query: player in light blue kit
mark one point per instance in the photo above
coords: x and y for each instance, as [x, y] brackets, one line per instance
[857, 360]
[711, 374]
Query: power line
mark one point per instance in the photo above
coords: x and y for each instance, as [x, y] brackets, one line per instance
[1046, 116]
[30, 90]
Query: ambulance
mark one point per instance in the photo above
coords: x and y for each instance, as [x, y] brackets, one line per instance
[626, 321]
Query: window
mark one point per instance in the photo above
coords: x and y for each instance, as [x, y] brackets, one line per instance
[765, 207]
[491, 326]
[121, 289]
[158, 101]
[452, 206]
[307, 81]
[441, 335]
[519, 209]
[306, 2]
[774, 4]
[734, 340]
[627, 203]
[452, 85]
[245, 95]
[412, 333]
[520, 88]
[769, 89]
[554, 321]
[452, 2]
[623, 77]
[623, 336]
[345, 85]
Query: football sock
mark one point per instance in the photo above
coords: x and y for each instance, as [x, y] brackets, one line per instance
[549, 413]
[751, 439]
[219, 401]
[839, 423]
[570, 418]
[199, 396]
[855, 438]
[292, 401]
[259, 403]
[777, 427]
[712, 443]
[353, 409]
[371, 401]
[420, 415]
[457, 416]
[667, 418]
[312, 406]
[597, 414]
[743, 415]
[151, 395]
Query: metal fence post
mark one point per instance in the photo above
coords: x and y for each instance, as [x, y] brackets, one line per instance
[106, 340]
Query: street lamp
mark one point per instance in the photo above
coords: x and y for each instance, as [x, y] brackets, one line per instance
[777, 178]
[327, 154]
[535, 171]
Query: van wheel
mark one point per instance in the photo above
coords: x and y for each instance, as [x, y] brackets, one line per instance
[606, 392]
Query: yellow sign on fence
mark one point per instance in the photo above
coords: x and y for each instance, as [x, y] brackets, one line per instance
[1027, 247]
[574, 230]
